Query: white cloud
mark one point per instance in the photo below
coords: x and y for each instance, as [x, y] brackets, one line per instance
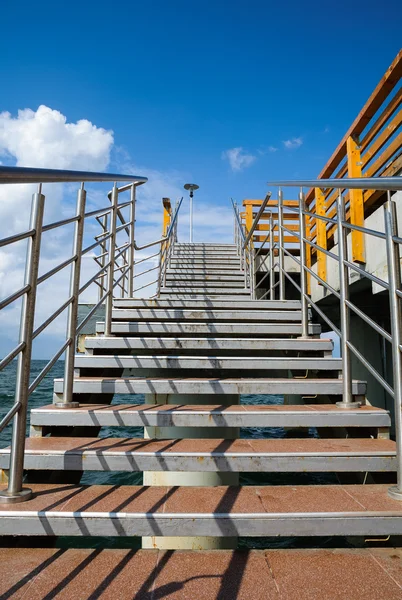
[293, 143]
[45, 139]
[238, 158]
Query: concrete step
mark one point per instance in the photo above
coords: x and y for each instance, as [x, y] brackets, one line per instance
[207, 455]
[233, 263]
[213, 291]
[298, 510]
[240, 363]
[161, 344]
[217, 276]
[230, 315]
[216, 385]
[241, 415]
[230, 253]
[213, 329]
[249, 305]
[202, 246]
[203, 285]
[183, 295]
[216, 267]
[279, 574]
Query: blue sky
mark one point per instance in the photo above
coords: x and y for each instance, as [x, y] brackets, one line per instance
[228, 94]
[181, 82]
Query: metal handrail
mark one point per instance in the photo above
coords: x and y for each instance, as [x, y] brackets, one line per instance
[346, 265]
[359, 183]
[33, 175]
[116, 260]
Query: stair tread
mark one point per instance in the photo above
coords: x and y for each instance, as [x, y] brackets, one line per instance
[259, 409]
[215, 502]
[156, 314]
[241, 363]
[209, 447]
[243, 415]
[214, 574]
[177, 303]
[209, 343]
[208, 385]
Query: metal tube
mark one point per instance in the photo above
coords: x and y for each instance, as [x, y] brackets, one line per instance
[11, 355]
[281, 246]
[7, 418]
[16, 238]
[111, 259]
[103, 246]
[15, 492]
[257, 218]
[14, 297]
[191, 217]
[67, 401]
[347, 398]
[131, 239]
[394, 271]
[271, 258]
[303, 273]
[358, 183]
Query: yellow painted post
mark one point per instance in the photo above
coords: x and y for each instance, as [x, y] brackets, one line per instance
[356, 199]
[167, 215]
[308, 253]
[321, 237]
[249, 217]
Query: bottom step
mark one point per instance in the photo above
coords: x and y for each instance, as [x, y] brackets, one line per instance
[201, 575]
[282, 511]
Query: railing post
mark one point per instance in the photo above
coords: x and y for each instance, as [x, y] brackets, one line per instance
[281, 252]
[67, 401]
[303, 272]
[111, 259]
[130, 290]
[103, 248]
[394, 281]
[15, 492]
[271, 257]
[347, 397]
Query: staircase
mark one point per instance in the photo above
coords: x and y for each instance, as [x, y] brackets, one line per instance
[204, 336]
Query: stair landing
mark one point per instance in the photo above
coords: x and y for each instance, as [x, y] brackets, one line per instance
[311, 574]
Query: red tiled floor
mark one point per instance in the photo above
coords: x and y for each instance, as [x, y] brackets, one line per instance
[313, 574]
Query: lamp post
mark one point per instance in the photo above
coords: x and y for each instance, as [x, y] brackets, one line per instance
[191, 187]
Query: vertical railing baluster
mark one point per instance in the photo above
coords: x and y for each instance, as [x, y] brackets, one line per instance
[131, 242]
[15, 492]
[394, 281]
[111, 261]
[347, 397]
[103, 248]
[72, 318]
[271, 257]
[303, 272]
[281, 252]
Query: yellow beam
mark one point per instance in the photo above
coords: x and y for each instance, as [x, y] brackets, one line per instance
[321, 234]
[356, 199]
[249, 217]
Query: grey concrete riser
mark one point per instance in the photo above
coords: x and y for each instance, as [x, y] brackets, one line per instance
[202, 284]
[248, 305]
[135, 462]
[209, 386]
[147, 416]
[169, 295]
[86, 523]
[216, 267]
[242, 363]
[205, 315]
[115, 344]
[208, 329]
[190, 277]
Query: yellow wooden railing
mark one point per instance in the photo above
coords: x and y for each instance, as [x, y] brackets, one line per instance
[371, 147]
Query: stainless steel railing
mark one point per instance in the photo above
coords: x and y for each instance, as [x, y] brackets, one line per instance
[115, 275]
[344, 265]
